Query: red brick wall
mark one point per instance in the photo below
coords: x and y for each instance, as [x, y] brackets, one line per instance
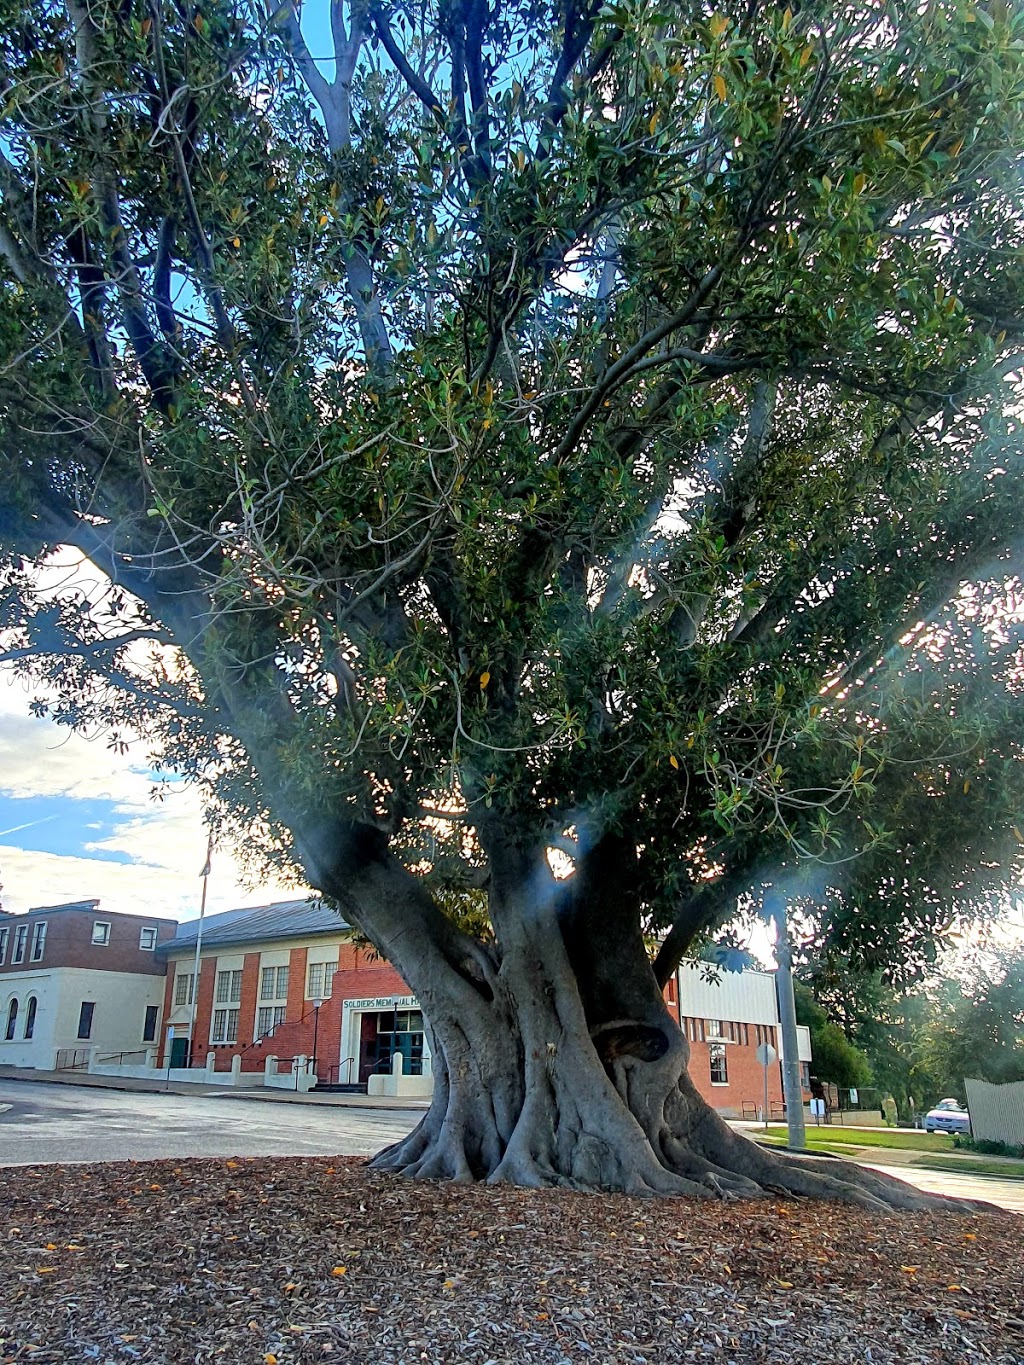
[358, 975]
[745, 1073]
[69, 942]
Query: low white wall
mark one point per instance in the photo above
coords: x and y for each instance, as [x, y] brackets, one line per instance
[298, 1076]
[398, 1083]
[421, 1087]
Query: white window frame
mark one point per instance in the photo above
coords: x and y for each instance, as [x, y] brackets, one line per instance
[156, 1023]
[178, 978]
[267, 1019]
[228, 988]
[104, 940]
[20, 945]
[38, 941]
[150, 931]
[326, 972]
[278, 994]
[224, 1026]
[718, 1052]
[5, 935]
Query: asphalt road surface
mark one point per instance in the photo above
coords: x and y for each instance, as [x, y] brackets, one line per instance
[72, 1123]
[60, 1123]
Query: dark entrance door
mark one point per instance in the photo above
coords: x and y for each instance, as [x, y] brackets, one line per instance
[179, 1052]
[385, 1033]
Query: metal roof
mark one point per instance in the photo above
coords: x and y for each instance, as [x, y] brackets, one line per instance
[258, 923]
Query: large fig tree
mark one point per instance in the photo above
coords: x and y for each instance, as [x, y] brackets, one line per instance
[521, 440]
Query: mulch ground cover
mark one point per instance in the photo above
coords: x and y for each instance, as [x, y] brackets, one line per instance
[287, 1261]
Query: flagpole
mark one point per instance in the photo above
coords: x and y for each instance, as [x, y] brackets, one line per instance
[205, 874]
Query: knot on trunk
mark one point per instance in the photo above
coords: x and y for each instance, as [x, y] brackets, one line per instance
[630, 1039]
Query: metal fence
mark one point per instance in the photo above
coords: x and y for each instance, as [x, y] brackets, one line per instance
[997, 1111]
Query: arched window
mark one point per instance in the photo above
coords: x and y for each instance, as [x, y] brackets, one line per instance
[30, 1016]
[12, 1019]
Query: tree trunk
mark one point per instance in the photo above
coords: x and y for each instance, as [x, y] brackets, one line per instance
[572, 1073]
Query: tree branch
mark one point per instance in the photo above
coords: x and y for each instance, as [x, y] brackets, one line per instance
[704, 910]
[89, 648]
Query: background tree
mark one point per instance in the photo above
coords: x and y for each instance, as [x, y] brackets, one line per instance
[976, 1027]
[836, 1060]
[513, 434]
[923, 1040]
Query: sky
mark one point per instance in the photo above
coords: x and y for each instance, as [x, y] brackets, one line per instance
[77, 821]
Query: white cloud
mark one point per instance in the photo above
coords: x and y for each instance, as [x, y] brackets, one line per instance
[166, 840]
[49, 879]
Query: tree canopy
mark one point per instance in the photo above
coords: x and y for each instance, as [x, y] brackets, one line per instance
[562, 449]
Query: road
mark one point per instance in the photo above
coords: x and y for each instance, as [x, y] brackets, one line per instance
[42, 1122]
[72, 1123]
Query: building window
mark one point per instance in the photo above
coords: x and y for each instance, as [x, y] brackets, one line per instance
[719, 1066]
[225, 1026]
[229, 988]
[12, 1019]
[20, 939]
[321, 980]
[274, 983]
[183, 982]
[85, 1018]
[4, 936]
[100, 932]
[714, 1028]
[38, 941]
[268, 1017]
[30, 1016]
[147, 938]
[149, 1027]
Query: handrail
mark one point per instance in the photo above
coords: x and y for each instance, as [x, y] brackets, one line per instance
[334, 1072]
[74, 1064]
[283, 1023]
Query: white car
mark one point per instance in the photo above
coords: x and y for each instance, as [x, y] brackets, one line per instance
[948, 1116]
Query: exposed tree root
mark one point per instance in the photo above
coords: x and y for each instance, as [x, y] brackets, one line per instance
[675, 1146]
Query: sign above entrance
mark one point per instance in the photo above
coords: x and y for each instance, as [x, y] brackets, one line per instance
[384, 1002]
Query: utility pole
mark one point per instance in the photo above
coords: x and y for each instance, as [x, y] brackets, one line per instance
[791, 1089]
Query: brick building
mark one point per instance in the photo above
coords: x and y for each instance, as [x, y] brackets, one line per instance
[287, 980]
[263, 970]
[726, 1017]
[73, 977]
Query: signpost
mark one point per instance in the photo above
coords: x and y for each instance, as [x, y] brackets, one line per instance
[766, 1055]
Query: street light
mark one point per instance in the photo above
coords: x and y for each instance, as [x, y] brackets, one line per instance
[316, 1030]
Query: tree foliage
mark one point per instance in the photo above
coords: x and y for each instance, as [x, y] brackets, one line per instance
[529, 432]
[836, 1060]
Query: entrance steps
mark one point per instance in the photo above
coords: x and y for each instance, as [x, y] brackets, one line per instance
[349, 1088]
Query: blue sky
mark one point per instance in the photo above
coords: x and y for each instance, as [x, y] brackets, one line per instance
[78, 820]
[53, 824]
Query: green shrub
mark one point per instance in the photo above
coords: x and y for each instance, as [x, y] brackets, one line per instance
[986, 1146]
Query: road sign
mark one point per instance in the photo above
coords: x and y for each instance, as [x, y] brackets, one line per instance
[766, 1054]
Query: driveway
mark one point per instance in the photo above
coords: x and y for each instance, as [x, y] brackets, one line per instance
[62, 1123]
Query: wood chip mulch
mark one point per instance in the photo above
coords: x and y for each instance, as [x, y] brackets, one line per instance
[278, 1261]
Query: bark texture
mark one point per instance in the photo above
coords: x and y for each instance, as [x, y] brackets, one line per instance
[556, 1061]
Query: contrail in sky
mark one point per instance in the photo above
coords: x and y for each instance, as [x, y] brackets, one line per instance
[31, 825]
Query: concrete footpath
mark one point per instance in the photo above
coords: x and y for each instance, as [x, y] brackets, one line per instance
[157, 1087]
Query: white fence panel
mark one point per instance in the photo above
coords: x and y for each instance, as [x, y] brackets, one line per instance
[997, 1111]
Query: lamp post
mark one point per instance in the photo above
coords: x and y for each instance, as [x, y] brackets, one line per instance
[316, 1030]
